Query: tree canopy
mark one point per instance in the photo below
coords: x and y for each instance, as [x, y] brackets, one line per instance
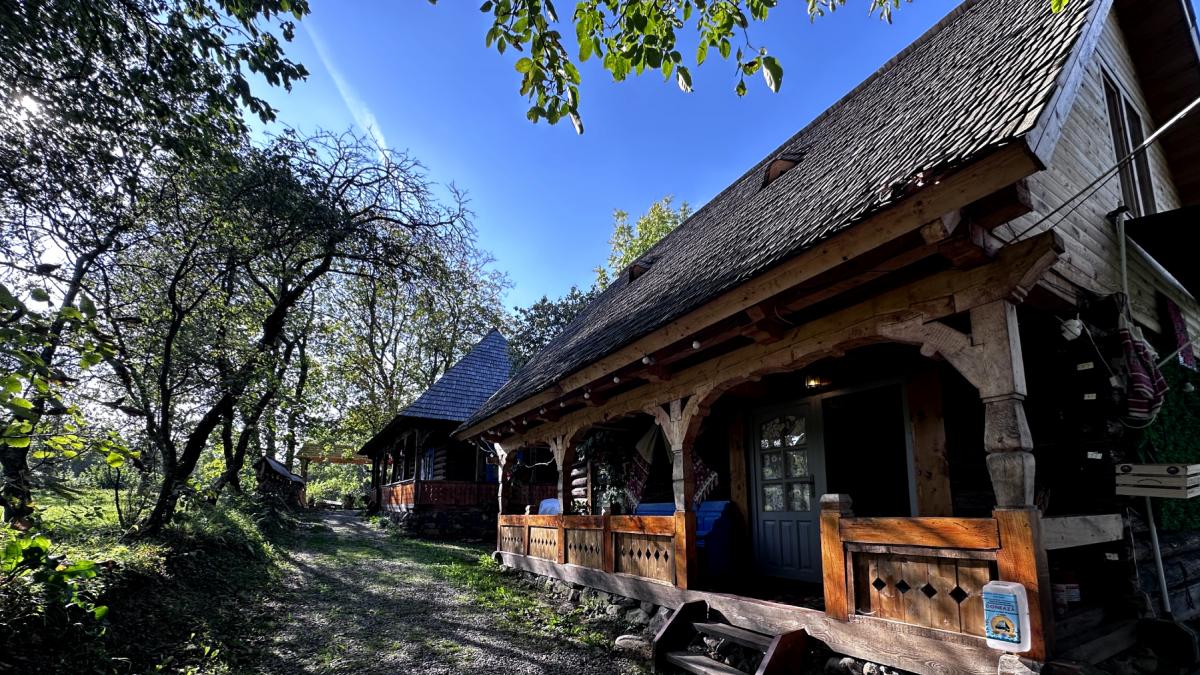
[637, 36]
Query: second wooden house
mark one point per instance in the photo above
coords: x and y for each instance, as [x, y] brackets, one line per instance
[433, 484]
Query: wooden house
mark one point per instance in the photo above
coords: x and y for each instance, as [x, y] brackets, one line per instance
[884, 354]
[274, 479]
[437, 485]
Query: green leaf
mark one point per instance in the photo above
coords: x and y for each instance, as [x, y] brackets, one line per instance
[100, 611]
[39, 294]
[684, 79]
[524, 65]
[88, 307]
[1057, 6]
[16, 441]
[741, 88]
[772, 72]
[114, 460]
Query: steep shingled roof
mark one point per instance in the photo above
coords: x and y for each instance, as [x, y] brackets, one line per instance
[972, 84]
[461, 390]
[457, 393]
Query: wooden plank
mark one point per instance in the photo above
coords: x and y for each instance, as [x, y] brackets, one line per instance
[890, 605]
[953, 553]
[968, 533]
[930, 465]
[746, 638]
[972, 576]
[1022, 558]
[1072, 531]
[658, 525]
[529, 520]
[785, 652]
[685, 547]
[739, 492]
[975, 181]
[943, 610]
[583, 522]
[833, 556]
[912, 648]
[1110, 640]
[915, 573]
[607, 554]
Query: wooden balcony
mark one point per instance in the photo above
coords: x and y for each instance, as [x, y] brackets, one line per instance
[407, 494]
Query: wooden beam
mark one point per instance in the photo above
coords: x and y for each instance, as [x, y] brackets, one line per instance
[1073, 531]
[967, 533]
[1022, 558]
[739, 490]
[932, 469]
[838, 603]
[997, 170]
[901, 314]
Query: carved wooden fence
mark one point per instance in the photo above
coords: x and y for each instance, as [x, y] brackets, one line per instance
[928, 572]
[451, 493]
[641, 546]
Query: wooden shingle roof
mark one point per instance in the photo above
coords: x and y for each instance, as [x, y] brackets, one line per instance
[461, 390]
[974, 83]
[457, 393]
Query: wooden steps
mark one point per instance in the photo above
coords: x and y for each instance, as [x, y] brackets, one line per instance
[700, 664]
[781, 653]
[745, 638]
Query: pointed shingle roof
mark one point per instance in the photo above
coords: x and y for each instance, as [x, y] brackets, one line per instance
[976, 82]
[461, 390]
[457, 394]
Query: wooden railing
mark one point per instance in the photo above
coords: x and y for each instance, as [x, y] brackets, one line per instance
[929, 572]
[443, 493]
[641, 546]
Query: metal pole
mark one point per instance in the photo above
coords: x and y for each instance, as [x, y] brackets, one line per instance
[1158, 563]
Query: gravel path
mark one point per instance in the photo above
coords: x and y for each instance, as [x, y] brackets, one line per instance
[361, 599]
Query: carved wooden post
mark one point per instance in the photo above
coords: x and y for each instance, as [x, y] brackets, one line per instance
[680, 423]
[563, 448]
[1006, 431]
[504, 463]
[833, 556]
[1010, 462]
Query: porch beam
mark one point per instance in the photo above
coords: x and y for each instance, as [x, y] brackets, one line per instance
[996, 171]
[905, 314]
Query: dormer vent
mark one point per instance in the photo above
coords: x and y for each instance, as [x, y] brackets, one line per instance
[781, 165]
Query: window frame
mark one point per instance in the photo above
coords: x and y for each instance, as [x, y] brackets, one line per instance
[1127, 132]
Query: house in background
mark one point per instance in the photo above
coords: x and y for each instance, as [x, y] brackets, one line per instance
[434, 484]
[274, 479]
[897, 354]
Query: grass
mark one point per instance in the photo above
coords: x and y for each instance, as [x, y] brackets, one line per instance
[176, 604]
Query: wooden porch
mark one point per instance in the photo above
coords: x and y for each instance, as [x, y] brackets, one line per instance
[903, 591]
[414, 492]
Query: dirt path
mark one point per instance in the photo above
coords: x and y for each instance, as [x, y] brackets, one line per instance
[362, 599]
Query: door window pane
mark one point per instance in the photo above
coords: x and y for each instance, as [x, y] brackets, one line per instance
[772, 466]
[800, 496]
[782, 432]
[797, 461]
[773, 498]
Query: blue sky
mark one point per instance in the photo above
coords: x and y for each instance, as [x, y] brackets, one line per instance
[420, 77]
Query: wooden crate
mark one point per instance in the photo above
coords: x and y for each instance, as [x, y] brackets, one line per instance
[1172, 481]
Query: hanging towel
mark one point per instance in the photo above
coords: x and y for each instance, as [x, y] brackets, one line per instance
[1147, 386]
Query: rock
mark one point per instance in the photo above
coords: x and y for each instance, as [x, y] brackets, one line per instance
[843, 665]
[602, 596]
[575, 596]
[625, 603]
[635, 645]
[637, 617]
[649, 607]
[712, 643]
[612, 610]
[871, 669]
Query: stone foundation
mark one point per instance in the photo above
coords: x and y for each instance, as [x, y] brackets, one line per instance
[458, 523]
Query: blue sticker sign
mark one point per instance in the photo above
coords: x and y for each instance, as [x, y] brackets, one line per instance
[1001, 616]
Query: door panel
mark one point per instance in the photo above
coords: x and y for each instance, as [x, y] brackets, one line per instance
[787, 477]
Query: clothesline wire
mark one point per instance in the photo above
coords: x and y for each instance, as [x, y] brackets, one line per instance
[1094, 186]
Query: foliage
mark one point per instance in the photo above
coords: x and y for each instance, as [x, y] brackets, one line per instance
[1172, 438]
[333, 481]
[532, 327]
[630, 242]
[636, 36]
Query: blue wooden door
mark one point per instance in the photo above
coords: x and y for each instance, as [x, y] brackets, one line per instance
[788, 479]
